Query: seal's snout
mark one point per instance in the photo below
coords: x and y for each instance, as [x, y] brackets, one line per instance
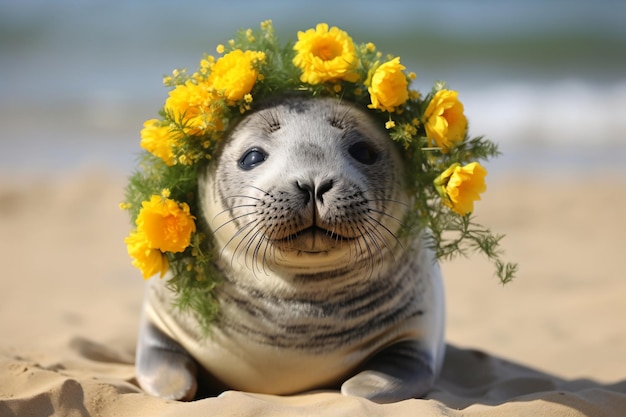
[314, 190]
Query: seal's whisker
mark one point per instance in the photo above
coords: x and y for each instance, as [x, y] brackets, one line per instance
[272, 120]
[388, 200]
[231, 209]
[236, 235]
[372, 227]
[332, 233]
[262, 240]
[373, 230]
[265, 193]
[253, 261]
[268, 239]
[384, 213]
[385, 228]
[384, 246]
[341, 121]
[367, 239]
[272, 253]
[234, 196]
[356, 230]
[234, 220]
[242, 248]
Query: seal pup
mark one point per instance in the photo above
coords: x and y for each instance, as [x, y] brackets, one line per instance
[320, 290]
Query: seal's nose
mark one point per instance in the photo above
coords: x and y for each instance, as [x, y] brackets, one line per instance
[314, 190]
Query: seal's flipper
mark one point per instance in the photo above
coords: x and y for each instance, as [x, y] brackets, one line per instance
[400, 372]
[164, 369]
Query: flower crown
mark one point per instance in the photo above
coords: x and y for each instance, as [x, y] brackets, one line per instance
[444, 173]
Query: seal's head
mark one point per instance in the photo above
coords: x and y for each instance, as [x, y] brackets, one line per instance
[306, 183]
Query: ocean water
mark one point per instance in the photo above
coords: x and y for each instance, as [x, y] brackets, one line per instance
[545, 80]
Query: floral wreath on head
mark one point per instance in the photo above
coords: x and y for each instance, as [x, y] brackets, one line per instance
[444, 173]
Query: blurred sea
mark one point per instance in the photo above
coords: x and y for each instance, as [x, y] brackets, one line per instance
[544, 79]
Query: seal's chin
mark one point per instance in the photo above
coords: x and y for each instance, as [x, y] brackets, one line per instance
[312, 241]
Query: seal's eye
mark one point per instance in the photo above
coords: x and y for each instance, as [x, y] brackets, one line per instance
[363, 152]
[252, 158]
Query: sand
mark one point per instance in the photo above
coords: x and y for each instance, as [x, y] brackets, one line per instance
[551, 343]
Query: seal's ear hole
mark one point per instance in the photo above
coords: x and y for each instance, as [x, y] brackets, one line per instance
[252, 158]
[363, 152]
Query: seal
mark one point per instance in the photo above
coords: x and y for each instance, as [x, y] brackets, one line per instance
[320, 288]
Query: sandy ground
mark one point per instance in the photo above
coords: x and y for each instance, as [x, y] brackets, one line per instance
[550, 343]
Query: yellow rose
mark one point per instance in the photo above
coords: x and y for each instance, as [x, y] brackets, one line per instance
[234, 74]
[158, 139]
[388, 87]
[166, 224]
[191, 104]
[444, 120]
[149, 261]
[325, 54]
[460, 186]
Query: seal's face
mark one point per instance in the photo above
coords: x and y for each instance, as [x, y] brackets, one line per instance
[306, 183]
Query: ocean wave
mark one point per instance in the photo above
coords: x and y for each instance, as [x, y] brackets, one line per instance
[563, 113]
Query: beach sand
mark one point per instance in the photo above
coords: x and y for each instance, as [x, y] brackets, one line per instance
[551, 343]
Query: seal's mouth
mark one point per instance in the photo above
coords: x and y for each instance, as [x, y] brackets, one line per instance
[312, 240]
[315, 231]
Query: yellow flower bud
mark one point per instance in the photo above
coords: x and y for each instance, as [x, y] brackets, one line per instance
[444, 120]
[460, 187]
[388, 86]
[159, 139]
[148, 260]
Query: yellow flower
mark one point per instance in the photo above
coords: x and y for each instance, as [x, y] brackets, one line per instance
[444, 120]
[150, 261]
[388, 86]
[460, 186]
[325, 54]
[234, 74]
[158, 139]
[194, 106]
[390, 124]
[166, 224]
